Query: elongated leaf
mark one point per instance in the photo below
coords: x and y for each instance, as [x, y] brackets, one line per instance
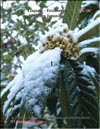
[90, 43]
[81, 96]
[71, 89]
[89, 50]
[72, 13]
[88, 31]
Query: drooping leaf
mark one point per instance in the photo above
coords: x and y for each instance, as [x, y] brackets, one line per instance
[72, 13]
[81, 98]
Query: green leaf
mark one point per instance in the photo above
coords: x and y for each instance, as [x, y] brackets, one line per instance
[72, 13]
[8, 57]
[72, 100]
[19, 12]
[81, 96]
[27, 7]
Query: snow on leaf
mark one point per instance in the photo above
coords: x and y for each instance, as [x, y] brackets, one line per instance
[88, 42]
[85, 31]
[11, 83]
[96, 15]
[14, 86]
[87, 69]
[86, 50]
[32, 83]
[87, 3]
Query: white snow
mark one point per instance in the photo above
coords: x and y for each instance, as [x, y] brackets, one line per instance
[32, 83]
[89, 41]
[97, 14]
[85, 50]
[37, 110]
[14, 87]
[33, 5]
[92, 87]
[54, 30]
[39, 72]
[87, 69]
[11, 84]
[86, 3]
[7, 4]
[87, 28]
[78, 89]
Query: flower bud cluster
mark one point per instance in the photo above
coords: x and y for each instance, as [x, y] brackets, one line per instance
[60, 36]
